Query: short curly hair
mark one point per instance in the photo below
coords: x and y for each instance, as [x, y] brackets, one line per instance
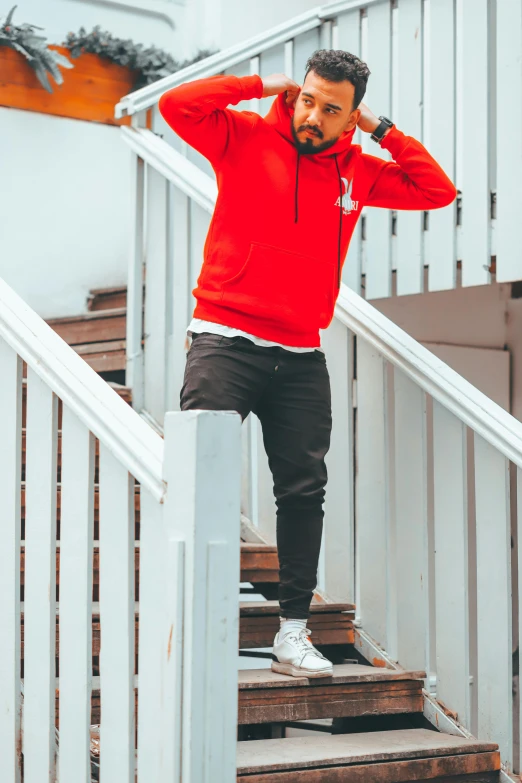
[336, 65]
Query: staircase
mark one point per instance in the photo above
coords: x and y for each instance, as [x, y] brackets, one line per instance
[141, 532]
[367, 722]
[99, 335]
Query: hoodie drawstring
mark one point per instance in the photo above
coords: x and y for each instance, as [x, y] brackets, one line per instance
[296, 206]
[296, 196]
[340, 224]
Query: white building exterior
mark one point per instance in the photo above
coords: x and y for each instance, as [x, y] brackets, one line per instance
[66, 213]
[67, 210]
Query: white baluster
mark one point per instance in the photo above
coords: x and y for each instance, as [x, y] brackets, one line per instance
[271, 61]
[494, 612]
[263, 491]
[199, 226]
[202, 471]
[519, 558]
[253, 70]
[325, 34]
[508, 231]
[155, 295]
[180, 295]
[338, 545]
[451, 561]
[40, 582]
[372, 493]
[116, 619]
[289, 59]
[134, 325]
[408, 83]
[159, 695]
[378, 98]
[76, 556]
[476, 224]
[440, 239]
[304, 45]
[411, 523]
[10, 473]
[349, 38]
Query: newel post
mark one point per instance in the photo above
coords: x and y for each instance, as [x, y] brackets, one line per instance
[202, 470]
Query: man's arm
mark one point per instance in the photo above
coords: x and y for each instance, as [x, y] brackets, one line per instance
[413, 180]
[198, 112]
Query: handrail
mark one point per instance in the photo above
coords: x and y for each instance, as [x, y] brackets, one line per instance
[173, 166]
[445, 385]
[429, 372]
[102, 411]
[148, 96]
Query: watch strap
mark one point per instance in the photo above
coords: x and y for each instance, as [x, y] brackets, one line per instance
[381, 129]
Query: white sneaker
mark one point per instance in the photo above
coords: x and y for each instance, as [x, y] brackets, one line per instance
[296, 656]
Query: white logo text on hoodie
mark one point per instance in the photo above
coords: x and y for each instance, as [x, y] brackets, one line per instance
[347, 203]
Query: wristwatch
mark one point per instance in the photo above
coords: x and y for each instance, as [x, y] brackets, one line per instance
[381, 129]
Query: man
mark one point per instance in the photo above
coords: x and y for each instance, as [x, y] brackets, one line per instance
[291, 189]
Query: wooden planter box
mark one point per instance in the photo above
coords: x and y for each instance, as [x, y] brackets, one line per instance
[89, 92]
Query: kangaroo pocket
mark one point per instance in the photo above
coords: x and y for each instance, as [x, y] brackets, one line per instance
[282, 287]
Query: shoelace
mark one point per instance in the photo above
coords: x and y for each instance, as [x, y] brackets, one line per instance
[304, 645]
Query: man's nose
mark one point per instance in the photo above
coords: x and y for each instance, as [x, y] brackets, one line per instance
[314, 120]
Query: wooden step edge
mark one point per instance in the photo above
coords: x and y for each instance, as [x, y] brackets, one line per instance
[267, 549]
[301, 753]
[107, 346]
[119, 289]
[265, 679]
[90, 315]
[257, 608]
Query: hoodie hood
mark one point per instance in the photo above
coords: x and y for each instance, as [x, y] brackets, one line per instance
[280, 117]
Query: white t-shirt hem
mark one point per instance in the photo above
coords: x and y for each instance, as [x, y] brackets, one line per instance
[197, 326]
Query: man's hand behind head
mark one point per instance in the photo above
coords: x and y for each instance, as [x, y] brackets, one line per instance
[278, 83]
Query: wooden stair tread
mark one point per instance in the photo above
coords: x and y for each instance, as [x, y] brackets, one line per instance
[267, 697]
[94, 326]
[259, 563]
[117, 289]
[92, 315]
[329, 623]
[252, 679]
[304, 752]
[258, 608]
[109, 346]
[255, 548]
[107, 298]
[338, 629]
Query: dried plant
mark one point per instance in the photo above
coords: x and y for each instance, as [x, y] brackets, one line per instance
[150, 64]
[44, 61]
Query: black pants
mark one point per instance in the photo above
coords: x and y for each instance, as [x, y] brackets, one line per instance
[290, 393]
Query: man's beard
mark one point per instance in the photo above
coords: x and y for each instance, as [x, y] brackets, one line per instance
[307, 147]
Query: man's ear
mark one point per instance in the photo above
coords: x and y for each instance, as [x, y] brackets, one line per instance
[354, 119]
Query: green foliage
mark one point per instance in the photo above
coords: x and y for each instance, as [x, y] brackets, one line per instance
[149, 63]
[34, 48]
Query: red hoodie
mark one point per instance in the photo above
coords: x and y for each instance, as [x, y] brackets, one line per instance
[283, 221]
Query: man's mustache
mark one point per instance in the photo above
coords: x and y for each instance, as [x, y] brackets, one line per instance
[312, 130]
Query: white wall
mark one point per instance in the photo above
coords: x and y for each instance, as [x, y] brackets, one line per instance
[145, 21]
[64, 209]
[223, 23]
[482, 317]
[65, 218]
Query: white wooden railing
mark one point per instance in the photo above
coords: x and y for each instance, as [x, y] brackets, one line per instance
[80, 436]
[418, 509]
[474, 139]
